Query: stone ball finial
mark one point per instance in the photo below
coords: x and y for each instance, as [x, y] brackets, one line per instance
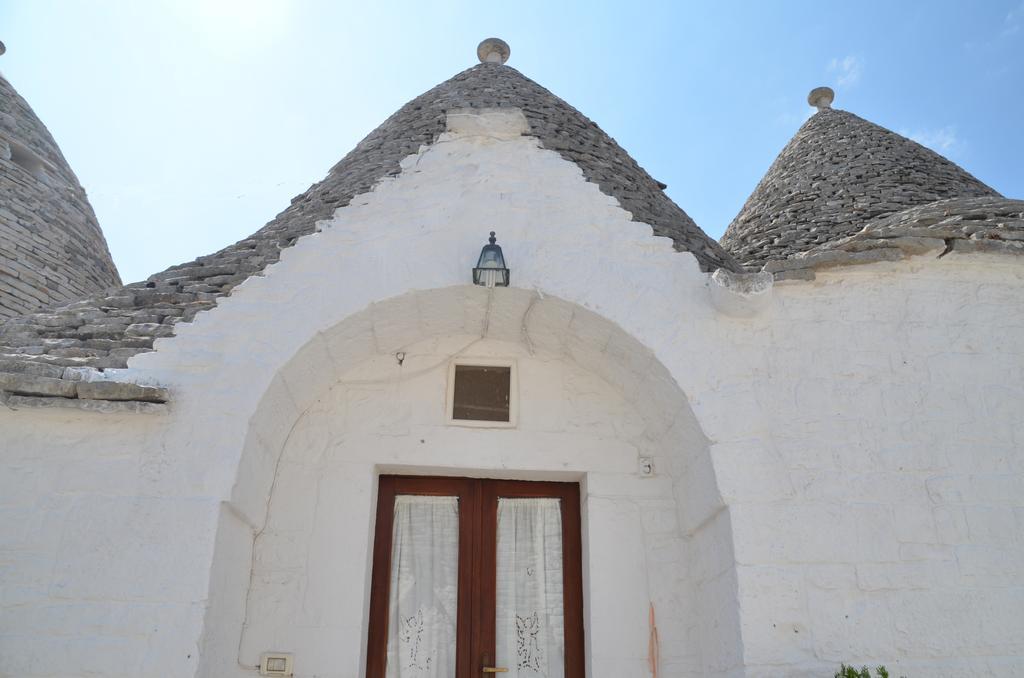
[493, 51]
[821, 97]
[2, 48]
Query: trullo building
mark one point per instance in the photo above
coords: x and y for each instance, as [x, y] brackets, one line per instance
[324, 451]
[51, 247]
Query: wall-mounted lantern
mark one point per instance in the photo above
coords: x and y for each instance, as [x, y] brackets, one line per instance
[490, 270]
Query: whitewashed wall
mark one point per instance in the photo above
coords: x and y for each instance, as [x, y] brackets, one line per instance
[312, 560]
[882, 517]
[593, 401]
[863, 433]
[91, 548]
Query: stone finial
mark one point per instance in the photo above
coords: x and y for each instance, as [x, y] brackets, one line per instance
[493, 51]
[821, 97]
[2, 48]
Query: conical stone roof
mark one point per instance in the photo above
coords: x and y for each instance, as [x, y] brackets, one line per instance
[103, 331]
[557, 125]
[837, 174]
[51, 247]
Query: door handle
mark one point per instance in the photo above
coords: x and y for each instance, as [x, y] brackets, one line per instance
[495, 669]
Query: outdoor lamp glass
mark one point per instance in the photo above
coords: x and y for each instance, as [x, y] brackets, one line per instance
[490, 269]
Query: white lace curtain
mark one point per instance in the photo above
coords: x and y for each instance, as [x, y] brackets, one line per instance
[530, 616]
[423, 603]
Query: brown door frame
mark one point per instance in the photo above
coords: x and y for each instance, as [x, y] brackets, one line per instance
[377, 636]
[477, 579]
[572, 565]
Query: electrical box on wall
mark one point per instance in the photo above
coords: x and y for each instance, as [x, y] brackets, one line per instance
[276, 664]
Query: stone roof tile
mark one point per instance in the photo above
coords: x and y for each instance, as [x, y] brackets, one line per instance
[51, 247]
[839, 173]
[985, 225]
[103, 331]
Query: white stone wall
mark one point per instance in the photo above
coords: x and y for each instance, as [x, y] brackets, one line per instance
[848, 483]
[882, 516]
[312, 559]
[92, 581]
[568, 427]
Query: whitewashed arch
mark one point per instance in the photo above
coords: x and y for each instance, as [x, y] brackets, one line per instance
[422, 230]
[459, 317]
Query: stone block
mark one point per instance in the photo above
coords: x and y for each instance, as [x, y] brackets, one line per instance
[27, 367]
[995, 564]
[849, 624]
[112, 390]
[109, 542]
[104, 406]
[915, 523]
[149, 330]
[32, 385]
[992, 524]
[907, 576]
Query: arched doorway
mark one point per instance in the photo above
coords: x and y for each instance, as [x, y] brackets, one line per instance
[595, 407]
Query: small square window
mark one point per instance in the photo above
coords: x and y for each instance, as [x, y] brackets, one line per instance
[482, 394]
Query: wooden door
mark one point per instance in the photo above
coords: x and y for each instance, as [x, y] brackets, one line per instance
[476, 577]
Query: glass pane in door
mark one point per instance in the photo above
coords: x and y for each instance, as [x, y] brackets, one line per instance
[423, 603]
[529, 630]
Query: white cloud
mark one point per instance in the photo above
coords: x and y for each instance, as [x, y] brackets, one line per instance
[795, 118]
[943, 140]
[1014, 19]
[848, 70]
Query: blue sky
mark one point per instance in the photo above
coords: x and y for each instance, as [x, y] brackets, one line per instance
[192, 123]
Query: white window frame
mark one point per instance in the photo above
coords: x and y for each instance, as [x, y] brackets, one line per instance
[513, 393]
